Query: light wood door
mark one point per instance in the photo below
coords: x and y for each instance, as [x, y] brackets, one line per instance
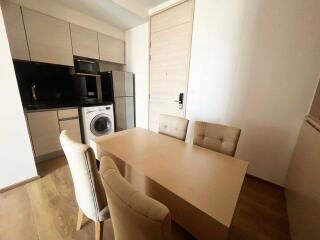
[44, 129]
[172, 17]
[171, 33]
[111, 49]
[48, 38]
[73, 127]
[15, 30]
[84, 42]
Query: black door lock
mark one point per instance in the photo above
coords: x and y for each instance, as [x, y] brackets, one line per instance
[180, 101]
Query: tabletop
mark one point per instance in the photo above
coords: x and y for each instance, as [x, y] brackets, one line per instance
[208, 180]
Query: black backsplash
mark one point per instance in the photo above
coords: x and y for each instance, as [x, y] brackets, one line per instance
[52, 82]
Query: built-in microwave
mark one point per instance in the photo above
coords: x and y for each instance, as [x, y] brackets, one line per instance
[86, 66]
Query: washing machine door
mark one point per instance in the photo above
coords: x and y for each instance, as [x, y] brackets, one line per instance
[101, 125]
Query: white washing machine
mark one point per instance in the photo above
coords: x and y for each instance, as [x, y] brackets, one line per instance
[97, 121]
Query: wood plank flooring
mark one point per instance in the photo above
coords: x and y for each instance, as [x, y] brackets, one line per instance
[45, 209]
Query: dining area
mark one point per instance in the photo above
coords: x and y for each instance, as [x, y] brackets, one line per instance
[156, 185]
[159, 119]
[141, 184]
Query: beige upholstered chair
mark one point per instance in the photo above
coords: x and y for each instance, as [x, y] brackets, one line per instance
[134, 215]
[216, 137]
[173, 126]
[89, 190]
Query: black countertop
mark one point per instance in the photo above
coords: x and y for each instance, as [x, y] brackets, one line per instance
[42, 106]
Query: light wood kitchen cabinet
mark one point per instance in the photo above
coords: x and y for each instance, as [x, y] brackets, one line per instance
[111, 49]
[73, 127]
[15, 30]
[68, 113]
[44, 130]
[48, 38]
[84, 42]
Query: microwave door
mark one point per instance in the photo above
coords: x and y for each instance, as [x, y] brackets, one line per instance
[86, 66]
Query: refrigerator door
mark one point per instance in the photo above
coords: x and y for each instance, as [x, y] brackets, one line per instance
[118, 78]
[124, 111]
[122, 84]
[130, 119]
[129, 84]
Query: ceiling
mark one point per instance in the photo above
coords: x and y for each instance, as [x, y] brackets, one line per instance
[149, 3]
[123, 14]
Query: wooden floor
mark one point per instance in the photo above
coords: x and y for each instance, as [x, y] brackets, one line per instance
[45, 209]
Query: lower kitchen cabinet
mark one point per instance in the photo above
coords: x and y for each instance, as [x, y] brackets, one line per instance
[45, 131]
[73, 127]
[45, 128]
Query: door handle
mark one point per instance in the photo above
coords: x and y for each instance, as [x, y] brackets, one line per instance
[180, 101]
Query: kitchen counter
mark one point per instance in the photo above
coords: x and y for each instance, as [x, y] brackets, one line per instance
[48, 106]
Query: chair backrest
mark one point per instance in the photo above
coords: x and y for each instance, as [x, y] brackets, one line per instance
[216, 137]
[173, 126]
[134, 215]
[89, 190]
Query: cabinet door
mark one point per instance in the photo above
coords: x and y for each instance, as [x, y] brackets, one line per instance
[44, 129]
[15, 30]
[111, 49]
[48, 38]
[84, 42]
[68, 113]
[73, 127]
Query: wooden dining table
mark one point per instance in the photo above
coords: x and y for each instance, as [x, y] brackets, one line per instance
[199, 186]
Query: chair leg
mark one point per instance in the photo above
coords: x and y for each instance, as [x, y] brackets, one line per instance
[99, 230]
[80, 218]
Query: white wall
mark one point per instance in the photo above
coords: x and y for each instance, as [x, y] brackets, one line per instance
[137, 60]
[16, 157]
[255, 65]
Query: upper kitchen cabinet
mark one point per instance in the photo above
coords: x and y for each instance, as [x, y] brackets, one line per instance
[15, 31]
[48, 38]
[111, 49]
[84, 42]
